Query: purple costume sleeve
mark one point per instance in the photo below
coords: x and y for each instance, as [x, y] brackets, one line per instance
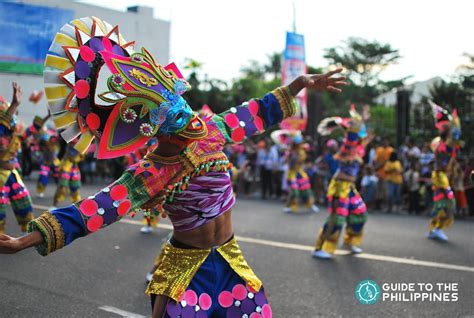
[255, 116]
[60, 227]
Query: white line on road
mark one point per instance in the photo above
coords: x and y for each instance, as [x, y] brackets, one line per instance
[299, 247]
[374, 257]
[121, 312]
[41, 207]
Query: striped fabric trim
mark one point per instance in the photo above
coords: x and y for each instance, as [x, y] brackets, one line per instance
[287, 102]
[51, 231]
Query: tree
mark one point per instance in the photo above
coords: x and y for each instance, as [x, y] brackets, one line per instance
[254, 80]
[195, 95]
[469, 66]
[450, 94]
[364, 59]
[273, 65]
[467, 74]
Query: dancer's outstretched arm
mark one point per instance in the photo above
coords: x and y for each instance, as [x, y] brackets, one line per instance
[59, 227]
[36, 126]
[257, 115]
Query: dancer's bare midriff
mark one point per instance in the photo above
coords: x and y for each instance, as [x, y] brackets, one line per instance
[214, 233]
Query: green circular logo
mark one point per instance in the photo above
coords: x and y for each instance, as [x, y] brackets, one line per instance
[367, 292]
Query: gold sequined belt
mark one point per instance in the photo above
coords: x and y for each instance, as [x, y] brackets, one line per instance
[177, 243]
[176, 268]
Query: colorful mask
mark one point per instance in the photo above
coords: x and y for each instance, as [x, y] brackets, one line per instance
[143, 98]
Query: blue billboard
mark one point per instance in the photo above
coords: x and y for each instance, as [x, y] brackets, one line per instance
[26, 34]
[293, 66]
[294, 49]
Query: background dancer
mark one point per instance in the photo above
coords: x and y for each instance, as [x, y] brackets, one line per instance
[13, 190]
[298, 180]
[49, 146]
[446, 148]
[345, 203]
[69, 176]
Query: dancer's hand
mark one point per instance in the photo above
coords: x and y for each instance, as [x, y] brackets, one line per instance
[319, 82]
[17, 95]
[9, 245]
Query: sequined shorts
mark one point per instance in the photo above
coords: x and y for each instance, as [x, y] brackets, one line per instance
[214, 282]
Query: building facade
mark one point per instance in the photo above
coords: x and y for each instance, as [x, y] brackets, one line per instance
[136, 24]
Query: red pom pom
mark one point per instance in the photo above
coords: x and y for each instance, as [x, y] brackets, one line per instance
[238, 134]
[258, 122]
[95, 223]
[107, 44]
[239, 292]
[266, 311]
[253, 107]
[93, 121]
[225, 299]
[191, 297]
[124, 207]
[86, 53]
[205, 301]
[81, 88]
[119, 192]
[88, 207]
[232, 120]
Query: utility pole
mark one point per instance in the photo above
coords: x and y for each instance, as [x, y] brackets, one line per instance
[402, 115]
[294, 17]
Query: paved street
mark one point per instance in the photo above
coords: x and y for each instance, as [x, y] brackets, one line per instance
[105, 272]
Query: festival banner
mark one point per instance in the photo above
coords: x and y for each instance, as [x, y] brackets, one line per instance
[294, 65]
[26, 34]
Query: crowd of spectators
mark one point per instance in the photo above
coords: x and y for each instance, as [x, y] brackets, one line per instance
[391, 179]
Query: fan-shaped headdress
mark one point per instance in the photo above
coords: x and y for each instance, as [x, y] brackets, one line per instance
[285, 136]
[444, 121]
[99, 89]
[442, 116]
[355, 123]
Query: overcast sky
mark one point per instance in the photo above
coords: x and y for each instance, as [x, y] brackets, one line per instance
[224, 35]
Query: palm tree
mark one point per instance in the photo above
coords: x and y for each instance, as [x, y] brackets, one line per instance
[274, 65]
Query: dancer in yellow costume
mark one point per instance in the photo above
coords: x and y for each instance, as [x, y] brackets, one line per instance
[12, 189]
[445, 147]
[69, 176]
[298, 180]
[345, 203]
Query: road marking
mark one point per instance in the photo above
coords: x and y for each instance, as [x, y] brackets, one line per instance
[121, 312]
[300, 247]
[409, 261]
[41, 207]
